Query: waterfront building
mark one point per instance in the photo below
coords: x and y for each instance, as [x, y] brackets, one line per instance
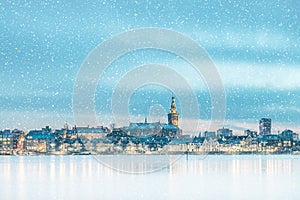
[265, 126]
[90, 133]
[181, 145]
[9, 140]
[210, 144]
[72, 146]
[41, 141]
[289, 135]
[70, 142]
[288, 138]
[269, 143]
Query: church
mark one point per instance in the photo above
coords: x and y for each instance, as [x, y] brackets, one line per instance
[170, 129]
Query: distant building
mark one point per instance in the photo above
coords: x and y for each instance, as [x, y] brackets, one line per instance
[157, 129]
[9, 139]
[173, 114]
[269, 141]
[92, 132]
[144, 129]
[41, 141]
[170, 130]
[71, 134]
[287, 134]
[226, 132]
[209, 134]
[265, 126]
[250, 133]
[152, 129]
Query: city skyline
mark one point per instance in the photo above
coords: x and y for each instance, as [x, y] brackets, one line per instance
[147, 138]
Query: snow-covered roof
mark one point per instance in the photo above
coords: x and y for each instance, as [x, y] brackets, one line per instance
[151, 126]
[39, 134]
[170, 127]
[6, 135]
[143, 126]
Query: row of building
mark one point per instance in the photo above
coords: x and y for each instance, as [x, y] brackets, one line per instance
[100, 140]
[46, 140]
[88, 139]
[146, 138]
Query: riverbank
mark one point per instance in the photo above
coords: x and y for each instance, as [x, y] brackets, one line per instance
[144, 153]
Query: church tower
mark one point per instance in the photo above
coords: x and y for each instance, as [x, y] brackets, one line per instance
[173, 115]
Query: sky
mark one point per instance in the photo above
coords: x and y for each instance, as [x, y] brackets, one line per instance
[255, 47]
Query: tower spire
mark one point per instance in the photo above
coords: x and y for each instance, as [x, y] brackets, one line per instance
[173, 106]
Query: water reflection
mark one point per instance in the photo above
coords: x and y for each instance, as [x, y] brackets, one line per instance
[137, 164]
[237, 165]
[64, 177]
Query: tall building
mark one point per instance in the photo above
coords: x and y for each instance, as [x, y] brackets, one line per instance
[156, 129]
[265, 126]
[173, 114]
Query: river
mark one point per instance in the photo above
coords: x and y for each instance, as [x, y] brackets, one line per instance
[150, 177]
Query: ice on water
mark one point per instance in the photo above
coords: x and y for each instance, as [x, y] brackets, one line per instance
[150, 177]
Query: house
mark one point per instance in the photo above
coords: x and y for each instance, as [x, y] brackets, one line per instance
[69, 141]
[269, 142]
[289, 135]
[9, 140]
[73, 146]
[210, 145]
[181, 145]
[41, 141]
[90, 133]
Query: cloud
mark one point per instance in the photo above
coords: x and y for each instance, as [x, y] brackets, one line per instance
[259, 76]
[243, 39]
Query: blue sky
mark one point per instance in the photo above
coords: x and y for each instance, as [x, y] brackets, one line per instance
[254, 45]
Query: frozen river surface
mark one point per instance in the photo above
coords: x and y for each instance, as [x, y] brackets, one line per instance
[150, 177]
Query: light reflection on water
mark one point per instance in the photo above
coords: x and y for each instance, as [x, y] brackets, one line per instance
[217, 176]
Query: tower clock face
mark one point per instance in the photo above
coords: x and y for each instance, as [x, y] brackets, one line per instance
[175, 122]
